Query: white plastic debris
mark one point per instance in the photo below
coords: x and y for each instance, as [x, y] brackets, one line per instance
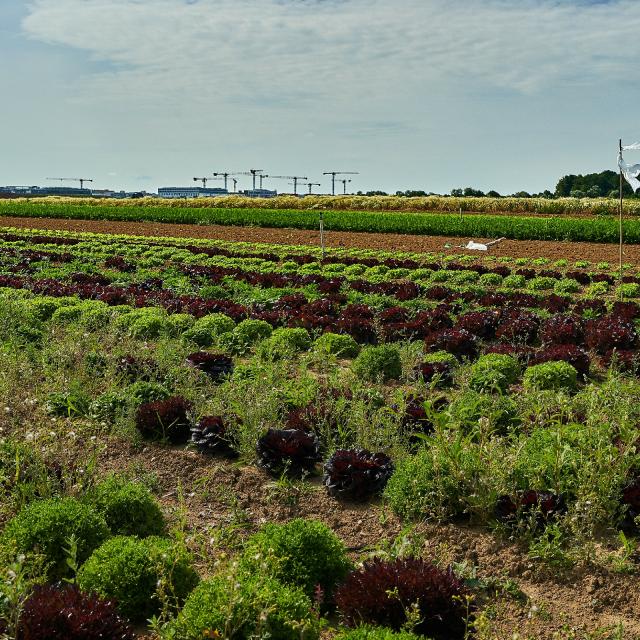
[472, 245]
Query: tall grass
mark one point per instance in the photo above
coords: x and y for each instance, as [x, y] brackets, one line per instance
[443, 204]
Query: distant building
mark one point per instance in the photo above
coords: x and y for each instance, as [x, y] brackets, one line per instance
[190, 192]
[259, 193]
[44, 191]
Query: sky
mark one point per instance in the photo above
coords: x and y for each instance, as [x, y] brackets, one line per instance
[412, 94]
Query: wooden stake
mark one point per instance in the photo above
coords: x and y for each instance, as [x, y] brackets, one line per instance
[620, 216]
[322, 233]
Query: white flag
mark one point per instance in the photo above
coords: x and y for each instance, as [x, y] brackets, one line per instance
[630, 172]
[631, 147]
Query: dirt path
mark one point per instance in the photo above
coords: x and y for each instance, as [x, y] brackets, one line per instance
[383, 241]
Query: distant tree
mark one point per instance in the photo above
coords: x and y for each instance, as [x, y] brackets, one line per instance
[594, 192]
[469, 192]
[605, 181]
[522, 194]
[456, 193]
[493, 194]
[577, 193]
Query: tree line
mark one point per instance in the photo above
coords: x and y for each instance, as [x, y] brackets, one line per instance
[592, 185]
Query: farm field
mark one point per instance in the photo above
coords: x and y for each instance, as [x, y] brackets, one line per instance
[434, 204]
[439, 443]
[592, 251]
[602, 228]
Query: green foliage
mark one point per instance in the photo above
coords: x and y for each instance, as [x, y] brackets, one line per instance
[136, 573]
[514, 282]
[541, 283]
[441, 356]
[592, 184]
[95, 315]
[46, 526]
[66, 314]
[343, 346]
[494, 372]
[566, 285]
[178, 323]
[472, 410]
[438, 481]
[128, 508]
[490, 280]
[246, 334]
[149, 327]
[43, 308]
[554, 376]
[205, 330]
[141, 392]
[68, 404]
[227, 607]
[378, 362]
[349, 214]
[629, 290]
[376, 633]
[284, 343]
[23, 475]
[302, 553]
[596, 289]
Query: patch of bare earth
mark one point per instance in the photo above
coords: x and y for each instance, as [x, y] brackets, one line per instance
[218, 493]
[594, 252]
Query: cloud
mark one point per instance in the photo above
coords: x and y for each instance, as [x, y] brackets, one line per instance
[412, 93]
[275, 53]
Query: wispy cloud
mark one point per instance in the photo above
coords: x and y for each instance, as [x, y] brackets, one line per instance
[233, 50]
[304, 83]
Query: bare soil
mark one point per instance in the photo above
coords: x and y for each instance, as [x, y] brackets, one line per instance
[552, 606]
[383, 241]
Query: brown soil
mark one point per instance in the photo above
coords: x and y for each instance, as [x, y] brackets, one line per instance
[217, 492]
[384, 241]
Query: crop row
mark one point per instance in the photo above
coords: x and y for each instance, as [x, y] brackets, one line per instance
[601, 229]
[544, 206]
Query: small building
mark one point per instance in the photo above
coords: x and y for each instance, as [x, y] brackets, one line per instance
[259, 193]
[190, 192]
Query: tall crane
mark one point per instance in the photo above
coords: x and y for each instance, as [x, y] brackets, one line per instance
[80, 180]
[253, 173]
[295, 179]
[203, 180]
[225, 175]
[310, 185]
[235, 185]
[344, 185]
[333, 175]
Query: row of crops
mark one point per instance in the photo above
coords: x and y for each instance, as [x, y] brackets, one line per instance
[435, 204]
[517, 227]
[497, 392]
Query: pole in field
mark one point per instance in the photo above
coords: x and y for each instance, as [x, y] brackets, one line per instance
[322, 234]
[620, 214]
[630, 173]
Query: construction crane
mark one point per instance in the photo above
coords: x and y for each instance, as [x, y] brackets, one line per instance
[235, 185]
[344, 185]
[225, 175]
[310, 185]
[80, 180]
[253, 173]
[333, 175]
[203, 180]
[295, 179]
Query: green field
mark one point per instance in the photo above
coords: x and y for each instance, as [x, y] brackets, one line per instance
[598, 229]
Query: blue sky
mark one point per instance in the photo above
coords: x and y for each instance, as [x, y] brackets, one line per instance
[430, 94]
